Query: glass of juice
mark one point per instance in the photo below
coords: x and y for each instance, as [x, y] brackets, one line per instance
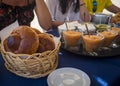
[109, 37]
[92, 42]
[72, 38]
[117, 30]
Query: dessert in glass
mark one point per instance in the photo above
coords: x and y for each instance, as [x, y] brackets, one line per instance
[71, 38]
[92, 42]
[117, 40]
[109, 37]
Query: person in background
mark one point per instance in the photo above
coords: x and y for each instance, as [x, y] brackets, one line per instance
[67, 10]
[22, 10]
[97, 6]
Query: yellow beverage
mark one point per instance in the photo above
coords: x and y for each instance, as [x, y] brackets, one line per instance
[109, 36]
[92, 42]
[71, 38]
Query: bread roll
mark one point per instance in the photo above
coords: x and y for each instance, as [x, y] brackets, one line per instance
[36, 30]
[45, 43]
[22, 40]
[116, 18]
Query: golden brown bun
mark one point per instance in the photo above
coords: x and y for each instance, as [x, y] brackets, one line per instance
[116, 18]
[22, 40]
[36, 30]
[45, 43]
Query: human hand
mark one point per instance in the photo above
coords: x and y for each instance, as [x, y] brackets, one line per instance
[84, 14]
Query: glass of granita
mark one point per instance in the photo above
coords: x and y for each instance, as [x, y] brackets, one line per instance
[72, 38]
[109, 37]
[92, 42]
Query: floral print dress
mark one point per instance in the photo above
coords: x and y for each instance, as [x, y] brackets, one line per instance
[9, 14]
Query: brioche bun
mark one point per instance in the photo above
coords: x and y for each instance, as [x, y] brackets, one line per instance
[22, 40]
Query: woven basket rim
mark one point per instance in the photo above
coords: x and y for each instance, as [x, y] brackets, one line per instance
[3, 50]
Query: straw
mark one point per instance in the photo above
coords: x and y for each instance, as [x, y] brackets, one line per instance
[87, 29]
[65, 21]
[66, 25]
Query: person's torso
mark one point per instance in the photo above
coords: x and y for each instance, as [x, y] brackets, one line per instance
[101, 5]
[70, 15]
[9, 14]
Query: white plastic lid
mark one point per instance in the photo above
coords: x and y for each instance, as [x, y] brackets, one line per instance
[68, 77]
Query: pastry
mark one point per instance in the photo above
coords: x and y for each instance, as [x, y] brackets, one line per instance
[116, 18]
[22, 40]
[46, 42]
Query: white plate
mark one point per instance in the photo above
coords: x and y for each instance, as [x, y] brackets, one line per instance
[68, 77]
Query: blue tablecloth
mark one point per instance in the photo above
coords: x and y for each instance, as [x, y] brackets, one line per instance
[102, 71]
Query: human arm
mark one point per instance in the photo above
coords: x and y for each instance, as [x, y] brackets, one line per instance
[44, 17]
[113, 8]
[84, 14]
[52, 6]
[57, 23]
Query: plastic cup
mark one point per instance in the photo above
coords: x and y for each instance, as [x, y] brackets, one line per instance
[71, 38]
[109, 37]
[117, 30]
[92, 42]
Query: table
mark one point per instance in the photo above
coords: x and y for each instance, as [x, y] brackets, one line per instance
[102, 71]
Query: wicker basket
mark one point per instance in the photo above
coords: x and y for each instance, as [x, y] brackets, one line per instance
[31, 66]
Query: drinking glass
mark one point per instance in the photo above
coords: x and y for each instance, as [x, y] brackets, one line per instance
[92, 42]
[109, 37]
[72, 38]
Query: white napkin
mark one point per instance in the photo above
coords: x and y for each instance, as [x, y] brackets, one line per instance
[71, 26]
[81, 26]
[7, 30]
